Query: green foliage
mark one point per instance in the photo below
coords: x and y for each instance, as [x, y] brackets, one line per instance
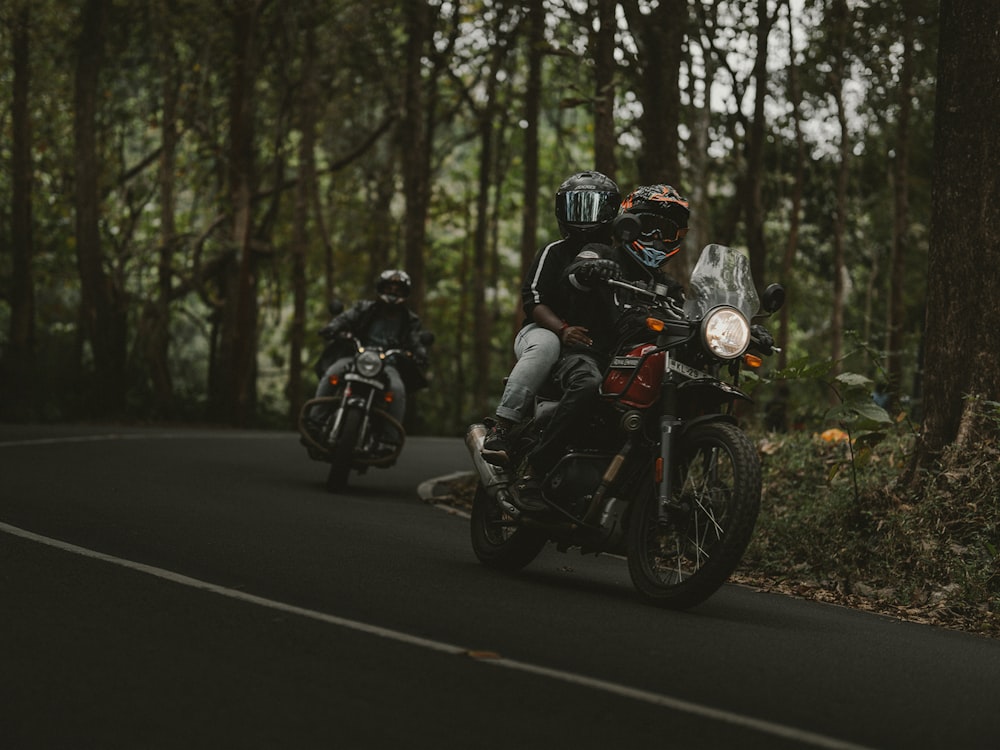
[359, 202]
[933, 550]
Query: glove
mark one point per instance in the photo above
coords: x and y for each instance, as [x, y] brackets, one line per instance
[764, 339]
[598, 269]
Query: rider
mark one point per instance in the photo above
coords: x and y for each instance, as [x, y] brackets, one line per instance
[663, 216]
[585, 205]
[384, 322]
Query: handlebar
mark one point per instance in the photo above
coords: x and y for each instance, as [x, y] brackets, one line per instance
[652, 294]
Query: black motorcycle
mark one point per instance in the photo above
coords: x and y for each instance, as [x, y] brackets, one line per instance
[664, 475]
[351, 429]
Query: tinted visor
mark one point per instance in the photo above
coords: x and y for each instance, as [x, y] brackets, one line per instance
[660, 227]
[587, 206]
[395, 288]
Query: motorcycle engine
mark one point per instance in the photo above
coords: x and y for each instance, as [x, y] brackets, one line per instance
[574, 480]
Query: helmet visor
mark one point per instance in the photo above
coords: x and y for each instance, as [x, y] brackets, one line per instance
[587, 206]
[661, 228]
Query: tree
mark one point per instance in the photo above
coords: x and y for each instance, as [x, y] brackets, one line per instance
[20, 359]
[963, 316]
[103, 306]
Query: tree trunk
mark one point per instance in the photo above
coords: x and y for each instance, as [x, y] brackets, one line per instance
[841, 24]
[234, 398]
[157, 312]
[962, 359]
[660, 38]
[532, 108]
[603, 44]
[304, 191]
[901, 217]
[794, 220]
[752, 199]
[416, 147]
[20, 366]
[102, 307]
[481, 321]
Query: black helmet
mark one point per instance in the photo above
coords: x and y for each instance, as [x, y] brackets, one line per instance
[393, 286]
[663, 215]
[586, 201]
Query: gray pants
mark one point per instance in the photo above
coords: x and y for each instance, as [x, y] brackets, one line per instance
[537, 350]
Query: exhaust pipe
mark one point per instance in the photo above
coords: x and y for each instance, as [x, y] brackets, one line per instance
[494, 479]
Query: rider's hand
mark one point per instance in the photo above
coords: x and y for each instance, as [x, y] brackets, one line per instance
[598, 269]
[575, 336]
[764, 339]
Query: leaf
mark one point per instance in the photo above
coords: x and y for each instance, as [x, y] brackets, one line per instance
[853, 380]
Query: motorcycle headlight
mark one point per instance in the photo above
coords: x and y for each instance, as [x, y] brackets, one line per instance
[369, 363]
[726, 333]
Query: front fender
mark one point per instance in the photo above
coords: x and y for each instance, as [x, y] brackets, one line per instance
[690, 424]
[708, 394]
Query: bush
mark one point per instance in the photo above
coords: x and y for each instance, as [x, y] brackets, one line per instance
[835, 525]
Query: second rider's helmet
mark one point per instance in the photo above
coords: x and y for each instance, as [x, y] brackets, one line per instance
[585, 202]
[663, 215]
[393, 286]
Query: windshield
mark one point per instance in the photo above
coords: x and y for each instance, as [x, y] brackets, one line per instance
[721, 277]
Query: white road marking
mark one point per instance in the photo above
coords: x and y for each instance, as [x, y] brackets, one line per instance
[142, 436]
[484, 657]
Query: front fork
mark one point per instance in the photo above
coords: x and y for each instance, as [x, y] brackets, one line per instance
[668, 431]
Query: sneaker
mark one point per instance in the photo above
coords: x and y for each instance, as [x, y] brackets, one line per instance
[527, 495]
[496, 438]
[382, 448]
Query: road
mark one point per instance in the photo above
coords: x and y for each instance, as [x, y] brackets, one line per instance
[199, 588]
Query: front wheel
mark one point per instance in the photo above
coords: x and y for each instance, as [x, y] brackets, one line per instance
[716, 492]
[342, 453]
[497, 540]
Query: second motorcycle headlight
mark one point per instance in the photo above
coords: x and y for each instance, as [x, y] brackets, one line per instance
[726, 333]
[369, 363]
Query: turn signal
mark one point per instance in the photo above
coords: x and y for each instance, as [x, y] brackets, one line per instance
[389, 397]
[752, 361]
[654, 324]
[335, 380]
[658, 467]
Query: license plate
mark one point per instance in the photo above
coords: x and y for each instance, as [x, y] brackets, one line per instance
[686, 371]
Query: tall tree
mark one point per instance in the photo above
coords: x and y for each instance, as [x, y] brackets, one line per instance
[416, 137]
[536, 46]
[963, 275]
[798, 187]
[103, 308]
[753, 180]
[901, 211]
[840, 22]
[304, 192]
[156, 312]
[603, 45]
[20, 357]
[234, 395]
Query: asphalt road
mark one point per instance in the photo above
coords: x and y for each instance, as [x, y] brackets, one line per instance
[199, 588]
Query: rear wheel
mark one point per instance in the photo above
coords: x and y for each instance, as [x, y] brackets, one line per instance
[498, 541]
[716, 489]
[342, 453]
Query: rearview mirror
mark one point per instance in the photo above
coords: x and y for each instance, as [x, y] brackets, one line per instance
[773, 298]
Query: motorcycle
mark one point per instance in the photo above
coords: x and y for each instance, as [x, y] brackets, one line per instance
[350, 430]
[663, 475]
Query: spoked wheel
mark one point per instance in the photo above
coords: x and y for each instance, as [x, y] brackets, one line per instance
[497, 539]
[342, 454]
[716, 488]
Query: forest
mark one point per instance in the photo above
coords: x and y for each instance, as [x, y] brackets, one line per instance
[186, 185]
